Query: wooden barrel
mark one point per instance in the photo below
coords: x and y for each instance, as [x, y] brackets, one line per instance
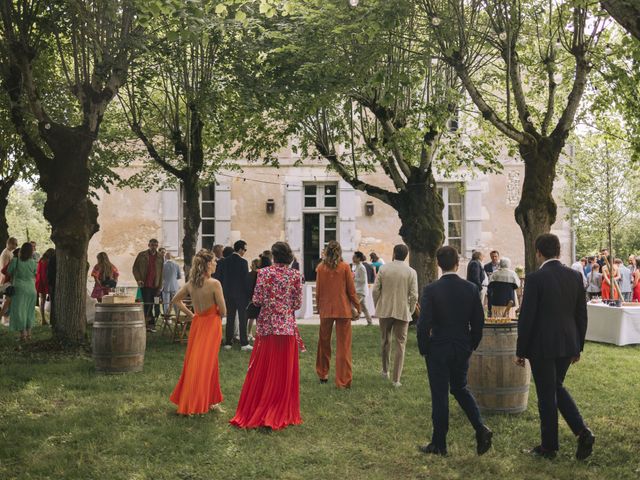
[119, 337]
[497, 383]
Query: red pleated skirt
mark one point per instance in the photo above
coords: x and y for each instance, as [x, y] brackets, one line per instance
[270, 395]
[199, 385]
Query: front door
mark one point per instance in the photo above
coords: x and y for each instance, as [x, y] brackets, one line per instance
[319, 229]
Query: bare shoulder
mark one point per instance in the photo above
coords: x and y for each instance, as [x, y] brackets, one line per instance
[213, 282]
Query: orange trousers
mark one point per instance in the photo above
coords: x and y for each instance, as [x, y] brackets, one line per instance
[343, 350]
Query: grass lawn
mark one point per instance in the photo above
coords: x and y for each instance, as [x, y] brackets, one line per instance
[58, 419]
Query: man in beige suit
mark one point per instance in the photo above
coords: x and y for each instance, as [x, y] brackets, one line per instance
[395, 294]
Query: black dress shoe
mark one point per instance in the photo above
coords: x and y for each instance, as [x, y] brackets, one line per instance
[324, 380]
[483, 440]
[543, 452]
[586, 439]
[432, 449]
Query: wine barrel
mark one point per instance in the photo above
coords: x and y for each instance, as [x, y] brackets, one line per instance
[497, 383]
[119, 337]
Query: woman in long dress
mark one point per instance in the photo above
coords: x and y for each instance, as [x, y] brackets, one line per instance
[198, 389]
[22, 312]
[42, 286]
[270, 395]
[609, 292]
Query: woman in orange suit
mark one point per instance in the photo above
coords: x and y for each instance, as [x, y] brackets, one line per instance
[198, 389]
[337, 303]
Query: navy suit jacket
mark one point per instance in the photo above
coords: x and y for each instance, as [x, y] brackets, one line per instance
[450, 312]
[234, 276]
[475, 273]
[553, 316]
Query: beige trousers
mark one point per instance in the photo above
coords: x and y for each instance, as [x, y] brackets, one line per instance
[392, 329]
[363, 308]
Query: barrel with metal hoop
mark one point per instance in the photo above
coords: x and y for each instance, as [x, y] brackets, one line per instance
[497, 383]
[119, 337]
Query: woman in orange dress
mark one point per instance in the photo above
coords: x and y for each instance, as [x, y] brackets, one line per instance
[337, 303]
[270, 395]
[198, 389]
[608, 290]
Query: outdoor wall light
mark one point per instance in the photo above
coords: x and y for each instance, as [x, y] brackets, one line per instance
[271, 205]
[368, 208]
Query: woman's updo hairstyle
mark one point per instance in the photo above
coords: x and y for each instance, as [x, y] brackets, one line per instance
[200, 267]
[282, 253]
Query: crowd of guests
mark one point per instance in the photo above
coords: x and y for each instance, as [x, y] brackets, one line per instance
[496, 281]
[610, 279]
[449, 327]
[25, 283]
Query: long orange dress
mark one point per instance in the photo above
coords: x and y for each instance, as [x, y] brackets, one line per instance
[608, 292]
[199, 385]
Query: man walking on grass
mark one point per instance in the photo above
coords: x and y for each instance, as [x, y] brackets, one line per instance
[551, 332]
[395, 293]
[449, 329]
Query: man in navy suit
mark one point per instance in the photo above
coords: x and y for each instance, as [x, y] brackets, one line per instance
[449, 329]
[551, 332]
[234, 276]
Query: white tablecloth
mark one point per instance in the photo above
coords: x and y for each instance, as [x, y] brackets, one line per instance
[617, 325]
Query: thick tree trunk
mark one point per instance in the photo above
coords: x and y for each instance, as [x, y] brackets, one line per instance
[420, 211]
[192, 219]
[626, 13]
[537, 210]
[74, 220]
[5, 188]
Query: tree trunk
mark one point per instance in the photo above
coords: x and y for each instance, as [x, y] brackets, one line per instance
[5, 188]
[191, 219]
[420, 211]
[626, 13]
[537, 209]
[74, 220]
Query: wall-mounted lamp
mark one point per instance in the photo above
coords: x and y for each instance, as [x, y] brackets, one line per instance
[368, 208]
[271, 205]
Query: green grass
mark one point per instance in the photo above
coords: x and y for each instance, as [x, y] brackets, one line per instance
[58, 419]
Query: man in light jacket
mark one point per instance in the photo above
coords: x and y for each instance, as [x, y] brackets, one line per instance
[170, 276]
[395, 294]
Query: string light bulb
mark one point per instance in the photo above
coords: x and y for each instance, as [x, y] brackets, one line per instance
[502, 36]
[557, 77]
[435, 21]
[354, 3]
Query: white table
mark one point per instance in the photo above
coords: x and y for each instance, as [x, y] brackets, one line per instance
[617, 325]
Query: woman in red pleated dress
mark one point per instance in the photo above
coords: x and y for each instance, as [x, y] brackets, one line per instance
[198, 389]
[270, 395]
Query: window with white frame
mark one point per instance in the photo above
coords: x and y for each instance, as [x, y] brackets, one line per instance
[452, 214]
[208, 215]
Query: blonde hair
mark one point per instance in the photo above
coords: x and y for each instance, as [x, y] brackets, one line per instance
[333, 255]
[105, 267]
[200, 268]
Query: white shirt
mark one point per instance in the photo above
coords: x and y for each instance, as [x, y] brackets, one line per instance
[361, 279]
[5, 258]
[577, 266]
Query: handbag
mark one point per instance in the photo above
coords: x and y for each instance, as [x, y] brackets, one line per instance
[10, 291]
[109, 283]
[253, 310]
[139, 295]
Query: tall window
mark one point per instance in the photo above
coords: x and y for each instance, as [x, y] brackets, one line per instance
[208, 209]
[320, 223]
[208, 216]
[452, 215]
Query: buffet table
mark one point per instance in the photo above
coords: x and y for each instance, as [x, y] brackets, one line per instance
[617, 325]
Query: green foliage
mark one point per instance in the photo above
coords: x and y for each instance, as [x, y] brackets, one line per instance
[603, 191]
[25, 218]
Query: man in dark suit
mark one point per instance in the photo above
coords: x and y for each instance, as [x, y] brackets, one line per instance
[449, 329]
[494, 264]
[475, 272]
[551, 331]
[234, 276]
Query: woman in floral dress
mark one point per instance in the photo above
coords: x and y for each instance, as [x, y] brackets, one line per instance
[270, 395]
